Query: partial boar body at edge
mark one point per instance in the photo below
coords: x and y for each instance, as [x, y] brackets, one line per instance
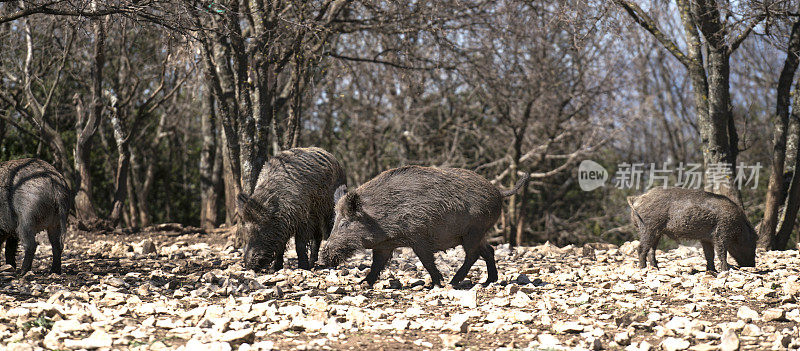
[33, 197]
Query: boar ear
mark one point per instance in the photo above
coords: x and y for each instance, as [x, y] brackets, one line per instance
[340, 191]
[352, 205]
[249, 209]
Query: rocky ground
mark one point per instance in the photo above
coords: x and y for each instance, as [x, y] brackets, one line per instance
[188, 291]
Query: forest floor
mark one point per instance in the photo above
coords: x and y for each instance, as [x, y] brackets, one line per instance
[167, 290]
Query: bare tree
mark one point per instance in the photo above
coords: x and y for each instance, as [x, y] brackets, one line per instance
[767, 230]
[718, 31]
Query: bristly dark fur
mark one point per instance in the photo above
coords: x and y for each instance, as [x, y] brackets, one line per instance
[719, 224]
[33, 197]
[427, 209]
[292, 198]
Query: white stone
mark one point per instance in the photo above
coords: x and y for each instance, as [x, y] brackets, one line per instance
[729, 341]
[567, 327]
[520, 300]
[450, 341]
[622, 338]
[773, 314]
[674, 344]
[459, 322]
[747, 313]
[17, 346]
[98, 339]
[751, 330]
[547, 340]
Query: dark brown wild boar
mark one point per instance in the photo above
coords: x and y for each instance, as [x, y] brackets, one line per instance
[33, 197]
[427, 209]
[719, 224]
[293, 197]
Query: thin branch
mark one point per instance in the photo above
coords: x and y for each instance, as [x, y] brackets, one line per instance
[384, 62]
[743, 35]
[21, 129]
[640, 17]
[45, 9]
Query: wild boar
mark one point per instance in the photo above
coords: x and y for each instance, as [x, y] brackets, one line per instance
[33, 197]
[715, 220]
[293, 197]
[427, 209]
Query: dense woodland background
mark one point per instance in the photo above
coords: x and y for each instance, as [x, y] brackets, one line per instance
[162, 111]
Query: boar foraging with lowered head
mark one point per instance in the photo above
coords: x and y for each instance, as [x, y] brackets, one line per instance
[427, 209]
[33, 197]
[715, 220]
[293, 197]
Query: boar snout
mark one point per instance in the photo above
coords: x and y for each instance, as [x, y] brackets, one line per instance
[326, 260]
[257, 260]
[319, 265]
[746, 261]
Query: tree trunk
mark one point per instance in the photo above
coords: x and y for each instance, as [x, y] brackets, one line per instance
[86, 128]
[133, 218]
[718, 132]
[208, 186]
[792, 204]
[520, 226]
[219, 80]
[2, 132]
[229, 182]
[775, 191]
[144, 193]
[510, 230]
[123, 163]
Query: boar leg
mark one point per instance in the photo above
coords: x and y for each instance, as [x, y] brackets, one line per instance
[278, 263]
[54, 234]
[721, 251]
[426, 256]
[315, 243]
[12, 243]
[708, 251]
[645, 245]
[379, 259]
[315, 250]
[470, 259]
[487, 253]
[471, 254]
[651, 254]
[301, 245]
[29, 243]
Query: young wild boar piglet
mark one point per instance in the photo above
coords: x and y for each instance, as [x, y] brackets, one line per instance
[293, 197]
[715, 220]
[427, 209]
[33, 197]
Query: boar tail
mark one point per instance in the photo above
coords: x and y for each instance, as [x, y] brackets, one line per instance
[630, 200]
[517, 186]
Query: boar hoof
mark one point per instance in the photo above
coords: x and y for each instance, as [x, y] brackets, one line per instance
[368, 281]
